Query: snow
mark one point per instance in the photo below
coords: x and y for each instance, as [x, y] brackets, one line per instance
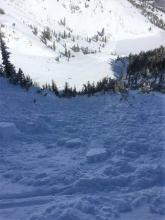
[96, 155]
[45, 173]
[97, 158]
[7, 130]
[77, 142]
[127, 31]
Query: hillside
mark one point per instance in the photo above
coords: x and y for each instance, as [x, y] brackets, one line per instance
[82, 37]
[92, 151]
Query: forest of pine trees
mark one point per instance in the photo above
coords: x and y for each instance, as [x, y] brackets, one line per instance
[147, 68]
[89, 89]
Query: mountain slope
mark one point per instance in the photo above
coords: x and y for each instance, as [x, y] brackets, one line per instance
[100, 28]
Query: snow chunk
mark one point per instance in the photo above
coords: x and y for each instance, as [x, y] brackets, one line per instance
[73, 143]
[7, 130]
[96, 155]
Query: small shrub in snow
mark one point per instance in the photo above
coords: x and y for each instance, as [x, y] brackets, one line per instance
[2, 12]
[35, 30]
[46, 35]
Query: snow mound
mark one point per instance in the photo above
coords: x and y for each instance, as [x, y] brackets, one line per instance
[95, 155]
[7, 130]
[73, 143]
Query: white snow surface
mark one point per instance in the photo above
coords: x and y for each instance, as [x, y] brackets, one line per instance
[126, 30]
[44, 172]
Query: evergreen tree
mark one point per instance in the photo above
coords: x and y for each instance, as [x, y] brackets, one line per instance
[54, 88]
[46, 35]
[20, 77]
[7, 65]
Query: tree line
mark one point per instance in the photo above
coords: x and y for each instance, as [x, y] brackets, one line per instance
[8, 70]
[89, 89]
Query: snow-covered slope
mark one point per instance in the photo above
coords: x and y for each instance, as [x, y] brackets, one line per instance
[96, 158]
[125, 31]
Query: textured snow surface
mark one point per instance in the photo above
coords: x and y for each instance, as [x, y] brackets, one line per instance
[44, 171]
[96, 154]
[126, 31]
[7, 130]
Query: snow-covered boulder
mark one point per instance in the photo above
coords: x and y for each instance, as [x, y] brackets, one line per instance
[96, 154]
[73, 143]
[7, 130]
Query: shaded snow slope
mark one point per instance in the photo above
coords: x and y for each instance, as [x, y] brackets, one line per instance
[125, 29]
[85, 158]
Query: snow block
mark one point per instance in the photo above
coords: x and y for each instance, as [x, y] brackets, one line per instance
[7, 130]
[95, 155]
[73, 143]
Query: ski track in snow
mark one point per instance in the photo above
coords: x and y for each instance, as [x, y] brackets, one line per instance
[84, 158]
